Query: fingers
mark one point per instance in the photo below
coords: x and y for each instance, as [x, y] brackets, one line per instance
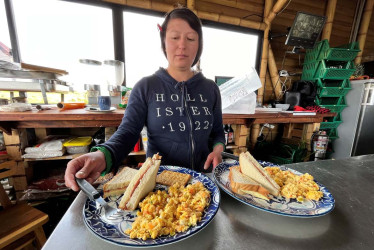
[208, 161]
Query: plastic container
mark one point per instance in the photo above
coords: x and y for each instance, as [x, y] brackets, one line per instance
[346, 52]
[335, 104]
[331, 122]
[332, 133]
[333, 88]
[334, 70]
[79, 145]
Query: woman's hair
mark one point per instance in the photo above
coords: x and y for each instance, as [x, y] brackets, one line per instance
[194, 22]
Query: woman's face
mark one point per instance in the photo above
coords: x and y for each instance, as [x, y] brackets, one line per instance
[181, 44]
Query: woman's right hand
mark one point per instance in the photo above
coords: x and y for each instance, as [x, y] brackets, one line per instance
[88, 166]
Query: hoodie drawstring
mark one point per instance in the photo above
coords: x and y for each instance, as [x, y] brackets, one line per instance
[182, 86]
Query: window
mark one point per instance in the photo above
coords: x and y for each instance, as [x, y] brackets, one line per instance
[225, 52]
[57, 34]
[5, 44]
[142, 46]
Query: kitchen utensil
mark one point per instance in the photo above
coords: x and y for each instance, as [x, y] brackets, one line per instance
[231, 156]
[93, 194]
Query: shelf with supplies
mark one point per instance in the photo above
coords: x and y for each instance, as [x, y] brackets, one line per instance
[64, 157]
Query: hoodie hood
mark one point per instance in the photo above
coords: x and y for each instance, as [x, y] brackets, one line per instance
[165, 77]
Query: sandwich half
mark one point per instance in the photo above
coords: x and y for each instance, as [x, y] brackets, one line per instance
[242, 184]
[118, 184]
[143, 182]
[250, 167]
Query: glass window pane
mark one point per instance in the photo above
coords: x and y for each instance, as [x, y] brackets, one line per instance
[57, 34]
[227, 53]
[5, 44]
[142, 46]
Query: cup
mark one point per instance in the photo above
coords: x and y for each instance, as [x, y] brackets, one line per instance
[104, 102]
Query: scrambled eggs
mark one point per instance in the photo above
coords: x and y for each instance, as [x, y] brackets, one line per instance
[294, 186]
[164, 213]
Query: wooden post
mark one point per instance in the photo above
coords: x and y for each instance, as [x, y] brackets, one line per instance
[265, 50]
[255, 131]
[275, 79]
[330, 13]
[277, 7]
[364, 25]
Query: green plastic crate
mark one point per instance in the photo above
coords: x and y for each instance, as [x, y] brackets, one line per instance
[332, 88]
[346, 52]
[313, 54]
[331, 122]
[323, 51]
[334, 104]
[332, 133]
[334, 70]
[309, 70]
[279, 153]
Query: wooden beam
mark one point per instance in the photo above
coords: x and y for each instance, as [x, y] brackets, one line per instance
[330, 13]
[275, 78]
[274, 12]
[364, 25]
[165, 7]
[265, 50]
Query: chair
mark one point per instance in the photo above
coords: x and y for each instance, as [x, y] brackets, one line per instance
[20, 224]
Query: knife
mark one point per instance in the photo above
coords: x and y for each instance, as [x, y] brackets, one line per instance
[94, 195]
[231, 156]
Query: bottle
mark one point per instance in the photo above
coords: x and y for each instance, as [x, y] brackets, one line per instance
[225, 129]
[230, 134]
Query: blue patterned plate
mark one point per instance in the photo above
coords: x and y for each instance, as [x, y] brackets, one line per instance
[277, 205]
[113, 230]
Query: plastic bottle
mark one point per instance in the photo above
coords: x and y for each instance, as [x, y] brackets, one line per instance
[225, 129]
[230, 134]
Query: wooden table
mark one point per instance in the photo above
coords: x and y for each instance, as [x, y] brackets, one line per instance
[74, 118]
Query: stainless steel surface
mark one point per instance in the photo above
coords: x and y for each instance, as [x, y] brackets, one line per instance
[238, 226]
[365, 132]
[346, 130]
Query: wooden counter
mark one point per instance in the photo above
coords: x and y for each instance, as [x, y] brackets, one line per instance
[54, 118]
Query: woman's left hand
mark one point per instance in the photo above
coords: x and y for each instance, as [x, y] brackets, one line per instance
[215, 157]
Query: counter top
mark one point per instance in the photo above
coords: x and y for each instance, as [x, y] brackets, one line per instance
[238, 226]
[55, 118]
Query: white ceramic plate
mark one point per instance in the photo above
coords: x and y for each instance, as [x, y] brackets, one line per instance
[276, 205]
[113, 231]
[100, 111]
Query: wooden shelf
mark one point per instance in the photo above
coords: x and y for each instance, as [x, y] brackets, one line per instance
[64, 157]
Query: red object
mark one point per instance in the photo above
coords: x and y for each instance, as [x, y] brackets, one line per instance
[159, 27]
[137, 146]
[315, 108]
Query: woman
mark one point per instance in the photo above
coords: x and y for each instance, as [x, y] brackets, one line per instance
[180, 108]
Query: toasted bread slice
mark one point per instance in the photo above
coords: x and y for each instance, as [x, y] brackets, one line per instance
[250, 167]
[242, 184]
[118, 184]
[169, 178]
[143, 182]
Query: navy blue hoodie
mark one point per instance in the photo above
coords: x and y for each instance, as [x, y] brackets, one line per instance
[180, 118]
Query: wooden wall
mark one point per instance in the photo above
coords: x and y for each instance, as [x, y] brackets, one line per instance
[252, 10]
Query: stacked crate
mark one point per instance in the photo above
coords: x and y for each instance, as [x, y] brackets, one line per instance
[330, 69]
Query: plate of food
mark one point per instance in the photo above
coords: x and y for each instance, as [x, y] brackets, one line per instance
[272, 188]
[160, 205]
